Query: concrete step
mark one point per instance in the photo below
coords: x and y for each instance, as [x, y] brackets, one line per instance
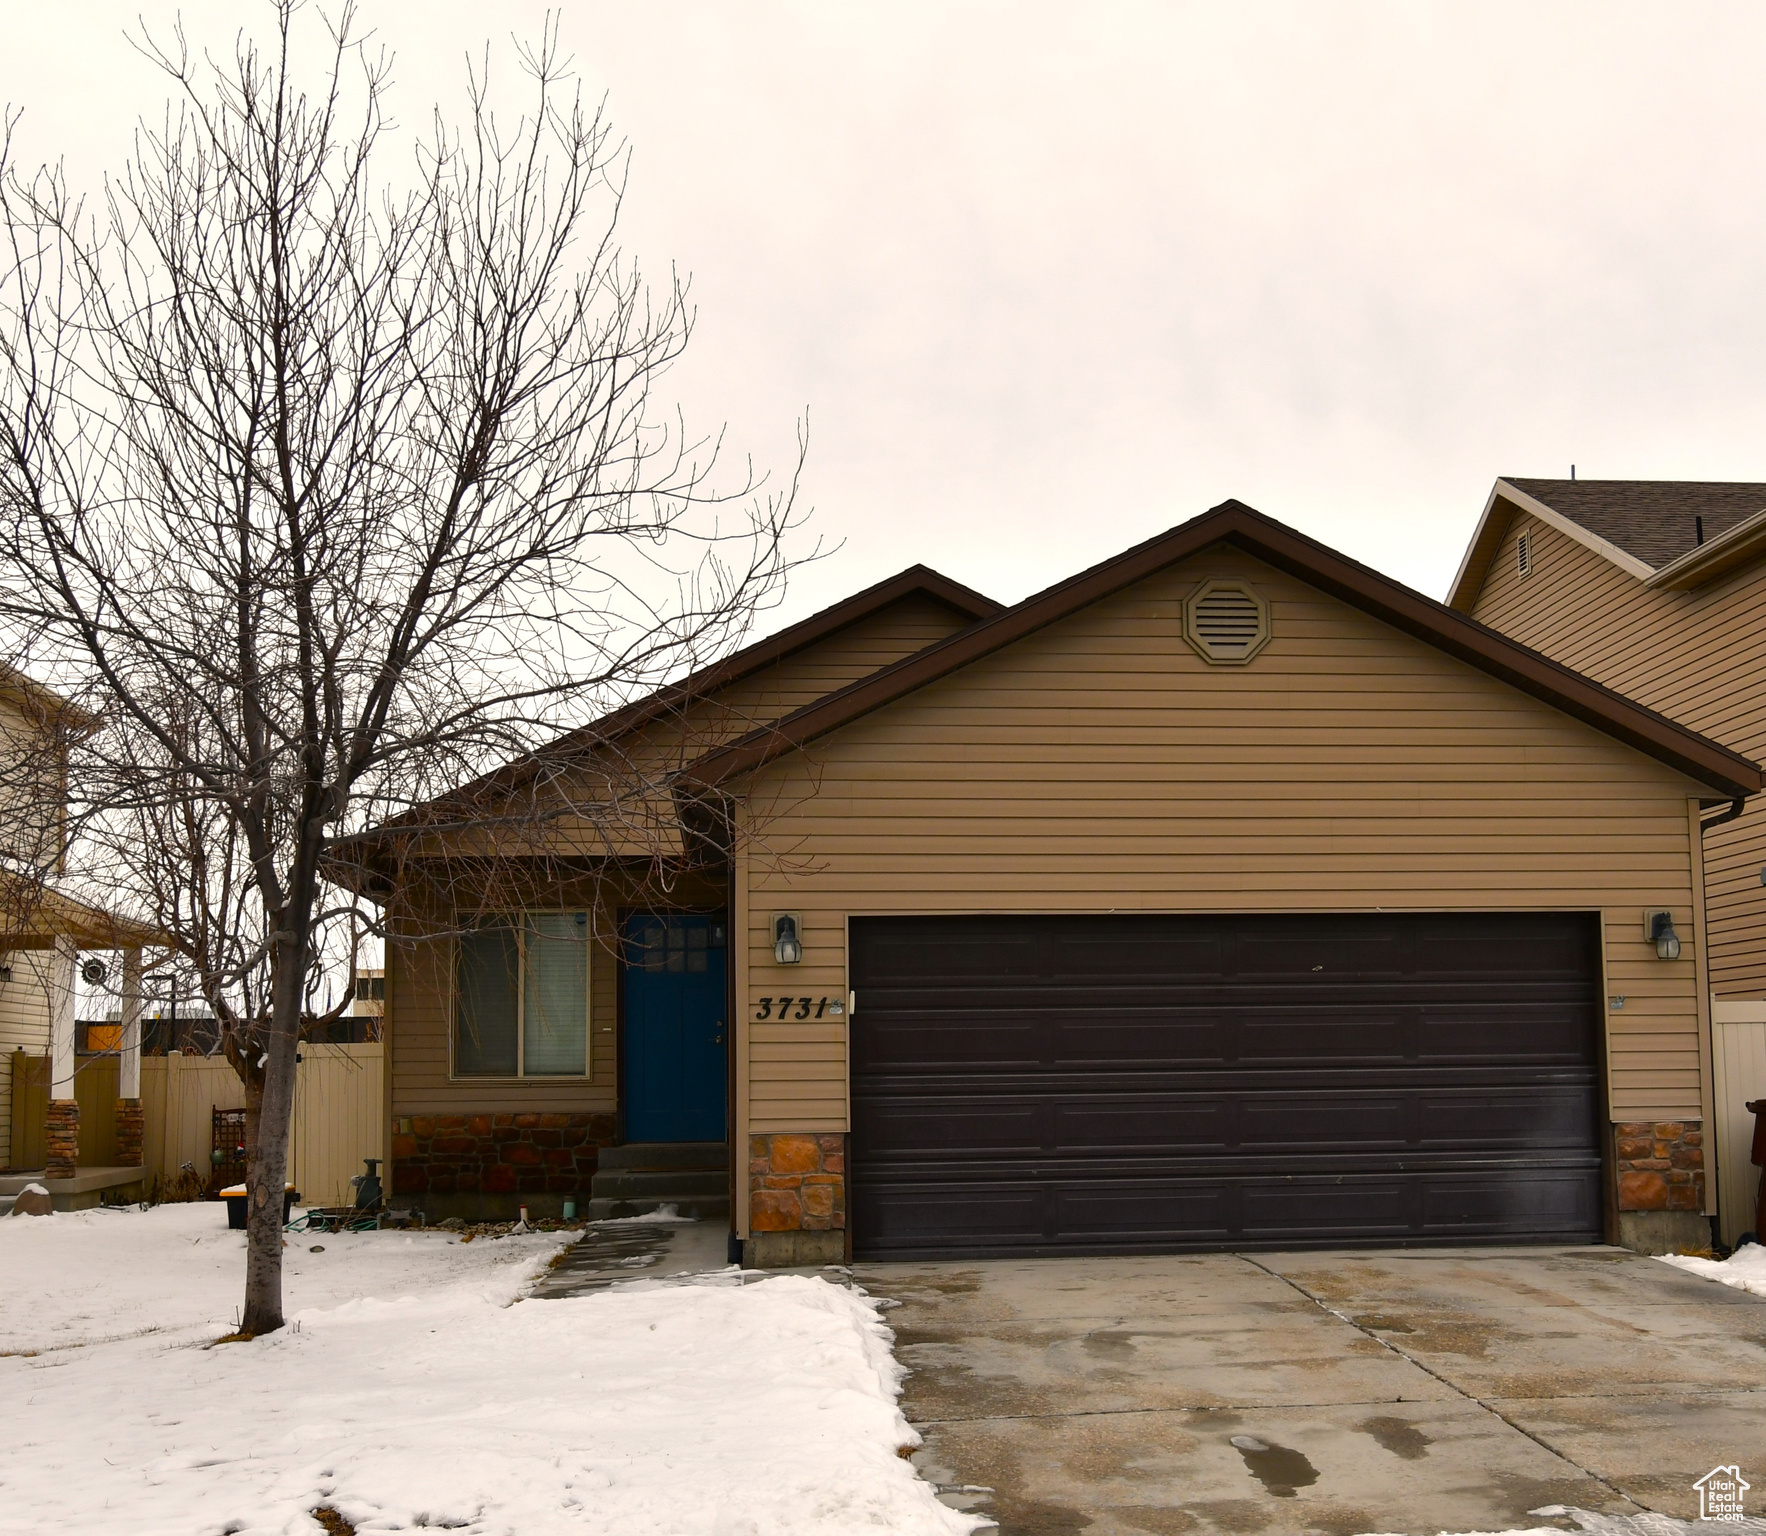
[658, 1183]
[699, 1207]
[666, 1154]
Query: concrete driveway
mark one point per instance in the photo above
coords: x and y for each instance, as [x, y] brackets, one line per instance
[1346, 1392]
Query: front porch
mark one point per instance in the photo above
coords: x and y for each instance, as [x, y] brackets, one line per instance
[74, 1117]
[86, 1188]
[569, 1047]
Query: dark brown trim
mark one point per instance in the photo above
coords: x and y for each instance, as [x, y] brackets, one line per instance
[916, 579]
[1726, 773]
[775, 648]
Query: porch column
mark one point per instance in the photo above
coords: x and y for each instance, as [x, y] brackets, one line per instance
[129, 1122]
[63, 1131]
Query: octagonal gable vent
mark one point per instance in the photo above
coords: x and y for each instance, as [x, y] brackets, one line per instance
[1226, 621]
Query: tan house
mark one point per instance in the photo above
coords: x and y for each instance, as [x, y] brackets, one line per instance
[70, 1117]
[1658, 589]
[1226, 894]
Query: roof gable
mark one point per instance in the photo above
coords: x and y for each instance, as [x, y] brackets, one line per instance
[915, 581]
[699, 687]
[1674, 533]
[1726, 773]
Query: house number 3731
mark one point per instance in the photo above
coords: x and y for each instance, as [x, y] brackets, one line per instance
[794, 1008]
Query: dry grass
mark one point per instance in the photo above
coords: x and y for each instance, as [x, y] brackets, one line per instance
[334, 1523]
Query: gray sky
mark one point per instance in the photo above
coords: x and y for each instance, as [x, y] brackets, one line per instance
[1049, 278]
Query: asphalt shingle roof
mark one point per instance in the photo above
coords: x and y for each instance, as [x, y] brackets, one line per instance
[1651, 519]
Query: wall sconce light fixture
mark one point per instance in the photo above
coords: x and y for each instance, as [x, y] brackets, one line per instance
[787, 940]
[1660, 927]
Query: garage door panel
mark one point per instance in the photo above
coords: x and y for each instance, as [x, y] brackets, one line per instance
[1319, 1210]
[1544, 1118]
[1203, 1086]
[1145, 1210]
[1311, 1032]
[1543, 1203]
[1107, 1125]
[1106, 1036]
[945, 1041]
[1544, 947]
[1320, 947]
[942, 1217]
[1311, 1121]
[1532, 1030]
[938, 1128]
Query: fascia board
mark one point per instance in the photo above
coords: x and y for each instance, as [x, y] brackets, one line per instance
[1475, 562]
[1712, 558]
[1707, 762]
[1630, 564]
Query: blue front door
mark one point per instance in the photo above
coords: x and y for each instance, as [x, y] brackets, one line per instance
[674, 1027]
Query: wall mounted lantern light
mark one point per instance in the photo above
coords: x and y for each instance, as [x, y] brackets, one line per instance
[1663, 936]
[787, 945]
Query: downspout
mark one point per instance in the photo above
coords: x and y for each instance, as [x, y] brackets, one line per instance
[1735, 809]
[738, 1152]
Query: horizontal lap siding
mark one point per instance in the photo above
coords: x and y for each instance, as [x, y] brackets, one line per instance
[419, 984]
[419, 1005]
[1101, 765]
[700, 724]
[636, 767]
[1699, 657]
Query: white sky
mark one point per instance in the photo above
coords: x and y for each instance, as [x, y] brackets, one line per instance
[1050, 278]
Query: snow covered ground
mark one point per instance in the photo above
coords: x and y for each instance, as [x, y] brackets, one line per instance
[1745, 1268]
[413, 1388]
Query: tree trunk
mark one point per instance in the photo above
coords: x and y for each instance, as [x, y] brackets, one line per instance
[254, 1117]
[269, 1168]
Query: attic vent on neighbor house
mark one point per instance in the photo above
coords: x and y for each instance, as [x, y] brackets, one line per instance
[1524, 554]
[1226, 621]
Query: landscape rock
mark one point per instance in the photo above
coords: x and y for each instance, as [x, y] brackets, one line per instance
[33, 1200]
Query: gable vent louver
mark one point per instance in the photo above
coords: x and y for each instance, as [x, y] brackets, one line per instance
[1226, 621]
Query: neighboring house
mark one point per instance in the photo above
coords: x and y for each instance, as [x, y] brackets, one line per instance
[1658, 589]
[1226, 894]
[369, 1001]
[70, 1116]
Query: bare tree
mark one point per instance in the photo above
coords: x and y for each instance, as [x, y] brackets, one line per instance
[332, 479]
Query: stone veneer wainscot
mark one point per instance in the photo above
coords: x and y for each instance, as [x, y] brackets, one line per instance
[796, 1199]
[1660, 1169]
[495, 1155]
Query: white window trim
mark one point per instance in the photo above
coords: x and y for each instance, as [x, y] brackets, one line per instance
[518, 921]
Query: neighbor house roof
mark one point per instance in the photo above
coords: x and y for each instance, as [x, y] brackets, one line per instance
[1725, 772]
[1650, 529]
[35, 913]
[37, 702]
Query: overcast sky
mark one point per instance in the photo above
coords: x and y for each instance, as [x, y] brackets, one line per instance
[1049, 278]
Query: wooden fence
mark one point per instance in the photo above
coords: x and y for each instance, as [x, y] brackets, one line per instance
[339, 1113]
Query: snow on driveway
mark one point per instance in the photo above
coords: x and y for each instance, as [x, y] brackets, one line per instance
[1745, 1268]
[412, 1389]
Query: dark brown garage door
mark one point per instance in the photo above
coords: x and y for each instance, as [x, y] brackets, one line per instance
[1061, 1084]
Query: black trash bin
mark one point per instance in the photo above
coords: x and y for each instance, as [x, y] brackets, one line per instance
[1757, 1107]
[238, 1206]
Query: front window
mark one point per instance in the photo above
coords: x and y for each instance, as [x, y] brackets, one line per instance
[522, 998]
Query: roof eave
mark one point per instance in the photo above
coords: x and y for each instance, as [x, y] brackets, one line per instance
[1727, 773]
[1475, 565]
[742, 664]
[1734, 547]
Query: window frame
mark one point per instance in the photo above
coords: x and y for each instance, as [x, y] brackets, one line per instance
[518, 921]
